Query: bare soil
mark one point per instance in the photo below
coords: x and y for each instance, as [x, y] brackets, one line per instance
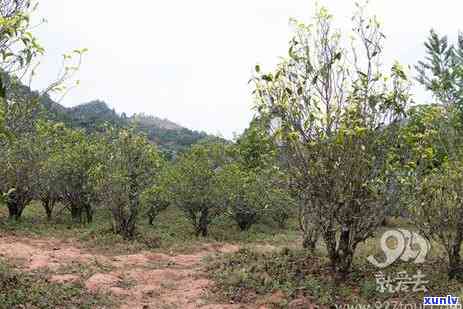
[142, 280]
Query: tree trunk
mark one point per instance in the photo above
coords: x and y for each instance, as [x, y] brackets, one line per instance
[128, 217]
[308, 227]
[385, 221]
[125, 228]
[89, 213]
[345, 262]
[455, 270]
[341, 256]
[76, 214]
[244, 225]
[203, 223]
[15, 206]
[245, 220]
[281, 220]
[13, 211]
[152, 214]
[130, 227]
[150, 219]
[309, 241]
[125, 219]
[48, 205]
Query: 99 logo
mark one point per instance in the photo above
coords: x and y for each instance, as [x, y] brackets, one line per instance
[408, 246]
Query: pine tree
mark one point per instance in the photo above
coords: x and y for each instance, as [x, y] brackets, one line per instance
[441, 72]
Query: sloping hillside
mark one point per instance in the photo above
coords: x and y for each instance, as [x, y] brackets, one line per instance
[169, 136]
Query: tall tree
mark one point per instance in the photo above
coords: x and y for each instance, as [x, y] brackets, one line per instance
[20, 154]
[18, 109]
[432, 177]
[129, 168]
[433, 144]
[255, 185]
[73, 163]
[335, 113]
[20, 161]
[441, 72]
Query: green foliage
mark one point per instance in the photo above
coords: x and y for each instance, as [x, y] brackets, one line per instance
[18, 47]
[172, 231]
[20, 161]
[432, 140]
[422, 137]
[326, 138]
[170, 137]
[336, 115]
[254, 185]
[96, 115]
[442, 70]
[243, 194]
[50, 140]
[3, 131]
[19, 154]
[255, 147]
[93, 117]
[129, 166]
[157, 197]
[193, 181]
[249, 195]
[73, 161]
[432, 177]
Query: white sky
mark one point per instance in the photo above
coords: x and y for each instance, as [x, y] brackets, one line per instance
[190, 61]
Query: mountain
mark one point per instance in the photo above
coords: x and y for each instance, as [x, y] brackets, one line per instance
[147, 121]
[170, 137]
[93, 115]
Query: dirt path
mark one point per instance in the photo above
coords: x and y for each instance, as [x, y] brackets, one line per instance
[143, 280]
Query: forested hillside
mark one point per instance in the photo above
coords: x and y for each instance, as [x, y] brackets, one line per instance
[170, 137]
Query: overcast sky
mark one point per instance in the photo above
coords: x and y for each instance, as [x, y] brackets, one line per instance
[190, 61]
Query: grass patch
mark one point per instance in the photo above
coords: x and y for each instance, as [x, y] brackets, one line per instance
[249, 276]
[171, 232]
[83, 270]
[21, 290]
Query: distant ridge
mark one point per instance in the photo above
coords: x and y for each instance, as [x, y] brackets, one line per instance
[144, 120]
[170, 137]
